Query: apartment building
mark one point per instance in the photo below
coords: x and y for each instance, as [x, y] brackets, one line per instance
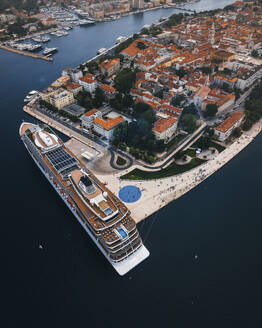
[59, 98]
[88, 118]
[224, 130]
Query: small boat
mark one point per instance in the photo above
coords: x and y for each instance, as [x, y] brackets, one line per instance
[31, 95]
[33, 92]
[101, 50]
[120, 39]
[49, 51]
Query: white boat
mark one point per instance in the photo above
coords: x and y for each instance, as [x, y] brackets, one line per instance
[31, 95]
[86, 22]
[101, 50]
[49, 51]
[33, 92]
[120, 39]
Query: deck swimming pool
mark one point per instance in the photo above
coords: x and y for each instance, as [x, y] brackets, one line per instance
[122, 232]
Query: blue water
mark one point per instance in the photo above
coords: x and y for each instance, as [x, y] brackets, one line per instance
[129, 194]
[68, 283]
[122, 232]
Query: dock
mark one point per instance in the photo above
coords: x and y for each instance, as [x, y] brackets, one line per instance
[26, 53]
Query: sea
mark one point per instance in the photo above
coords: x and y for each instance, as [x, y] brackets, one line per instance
[205, 265]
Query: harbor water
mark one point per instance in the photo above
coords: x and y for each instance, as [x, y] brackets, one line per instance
[205, 263]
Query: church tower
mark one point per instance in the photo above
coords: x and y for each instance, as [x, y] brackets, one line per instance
[211, 35]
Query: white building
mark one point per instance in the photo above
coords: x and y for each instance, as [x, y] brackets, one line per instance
[88, 83]
[88, 118]
[59, 98]
[75, 73]
[201, 94]
[165, 128]
[106, 127]
[224, 130]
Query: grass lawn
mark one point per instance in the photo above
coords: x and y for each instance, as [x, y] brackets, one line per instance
[191, 152]
[212, 144]
[217, 146]
[171, 170]
[120, 161]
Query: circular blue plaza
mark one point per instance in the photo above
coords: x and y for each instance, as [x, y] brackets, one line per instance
[129, 194]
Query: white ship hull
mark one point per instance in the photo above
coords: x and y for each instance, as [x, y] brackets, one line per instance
[121, 267]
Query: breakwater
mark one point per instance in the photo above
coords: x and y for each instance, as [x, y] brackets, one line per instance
[26, 53]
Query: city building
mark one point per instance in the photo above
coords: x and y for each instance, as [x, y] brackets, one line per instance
[165, 128]
[138, 4]
[88, 83]
[200, 95]
[58, 98]
[74, 87]
[109, 91]
[88, 118]
[224, 130]
[106, 127]
[74, 73]
[74, 110]
[110, 67]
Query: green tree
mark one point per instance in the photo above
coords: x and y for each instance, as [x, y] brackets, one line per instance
[204, 142]
[124, 80]
[211, 110]
[149, 116]
[99, 97]
[140, 45]
[188, 122]
[237, 132]
[206, 70]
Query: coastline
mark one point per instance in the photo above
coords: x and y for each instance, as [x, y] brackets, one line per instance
[158, 193]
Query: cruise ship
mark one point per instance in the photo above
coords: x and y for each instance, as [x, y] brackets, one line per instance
[103, 216]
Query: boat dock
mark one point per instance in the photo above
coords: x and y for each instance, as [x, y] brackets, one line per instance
[26, 53]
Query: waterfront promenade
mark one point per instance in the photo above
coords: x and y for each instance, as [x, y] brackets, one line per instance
[158, 193]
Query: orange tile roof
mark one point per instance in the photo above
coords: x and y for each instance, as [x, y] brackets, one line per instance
[91, 112]
[225, 99]
[107, 64]
[73, 85]
[87, 79]
[163, 124]
[107, 88]
[203, 92]
[229, 122]
[110, 123]
[172, 109]
[150, 103]
[226, 79]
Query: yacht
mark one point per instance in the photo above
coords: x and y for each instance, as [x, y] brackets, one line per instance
[101, 50]
[49, 51]
[120, 39]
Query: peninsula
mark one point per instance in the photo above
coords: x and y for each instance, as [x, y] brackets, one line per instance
[165, 108]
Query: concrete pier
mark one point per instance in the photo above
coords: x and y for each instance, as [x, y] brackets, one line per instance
[26, 53]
